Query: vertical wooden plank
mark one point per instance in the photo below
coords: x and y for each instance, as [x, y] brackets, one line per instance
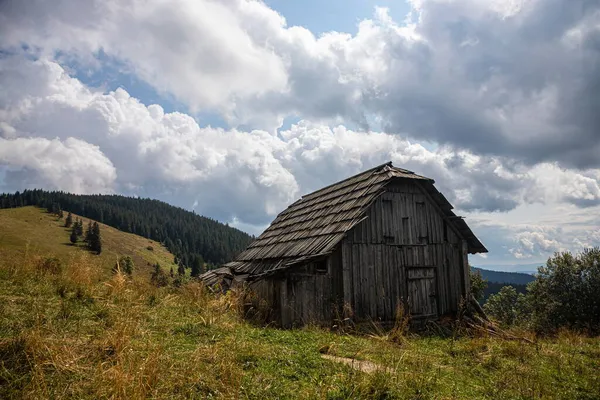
[312, 299]
[465, 268]
[367, 254]
[357, 279]
[364, 287]
[366, 229]
[394, 281]
[439, 279]
[378, 222]
[285, 313]
[412, 215]
[385, 280]
[400, 280]
[347, 274]
[379, 279]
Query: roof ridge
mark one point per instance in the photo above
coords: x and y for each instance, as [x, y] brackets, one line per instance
[389, 163]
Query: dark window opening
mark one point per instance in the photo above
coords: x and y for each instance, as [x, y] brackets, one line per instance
[321, 267]
[388, 239]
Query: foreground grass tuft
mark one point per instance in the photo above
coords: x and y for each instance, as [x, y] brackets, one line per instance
[72, 330]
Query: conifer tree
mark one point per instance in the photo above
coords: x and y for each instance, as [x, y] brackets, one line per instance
[79, 225]
[88, 234]
[181, 270]
[125, 264]
[95, 243]
[73, 236]
[69, 220]
[197, 266]
[159, 278]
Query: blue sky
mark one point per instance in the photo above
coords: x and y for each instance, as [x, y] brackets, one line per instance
[124, 97]
[334, 15]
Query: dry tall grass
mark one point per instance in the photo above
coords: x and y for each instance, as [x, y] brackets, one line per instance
[72, 330]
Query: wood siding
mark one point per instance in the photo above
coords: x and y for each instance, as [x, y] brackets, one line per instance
[405, 252]
[305, 294]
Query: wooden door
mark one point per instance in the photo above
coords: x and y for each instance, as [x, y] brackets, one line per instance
[421, 291]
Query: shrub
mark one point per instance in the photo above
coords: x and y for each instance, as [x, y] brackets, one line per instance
[478, 285]
[507, 306]
[159, 278]
[565, 293]
[125, 264]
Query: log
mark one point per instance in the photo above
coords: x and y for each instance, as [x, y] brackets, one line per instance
[478, 308]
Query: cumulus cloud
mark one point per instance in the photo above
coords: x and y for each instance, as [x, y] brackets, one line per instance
[248, 176]
[505, 91]
[198, 50]
[536, 242]
[513, 79]
[72, 165]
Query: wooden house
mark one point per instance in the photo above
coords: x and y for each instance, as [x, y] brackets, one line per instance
[364, 246]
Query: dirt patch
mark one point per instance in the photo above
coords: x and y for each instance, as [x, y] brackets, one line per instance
[359, 365]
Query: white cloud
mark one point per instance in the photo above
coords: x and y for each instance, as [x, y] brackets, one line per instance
[507, 78]
[536, 242]
[198, 50]
[72, 165]
[253, 175]
[504, 91]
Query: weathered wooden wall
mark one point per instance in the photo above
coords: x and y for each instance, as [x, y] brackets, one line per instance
[404, 251]
[304, 295]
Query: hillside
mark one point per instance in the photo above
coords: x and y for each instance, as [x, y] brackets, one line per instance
[496, 280]
[191, 237]
[508, 278]
[33, 231]
[84, 333]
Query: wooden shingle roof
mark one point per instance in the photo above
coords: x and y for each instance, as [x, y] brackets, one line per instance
[312, 226]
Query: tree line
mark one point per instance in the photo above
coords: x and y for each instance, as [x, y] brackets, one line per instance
[192, 238]
[564, 294]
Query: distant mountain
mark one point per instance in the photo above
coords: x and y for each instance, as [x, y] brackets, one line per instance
[494, 287]
[498, 279]
[530, 268]
[516, 278]
[190, 237]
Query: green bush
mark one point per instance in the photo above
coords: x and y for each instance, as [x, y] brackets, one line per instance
[566, 292]
[159, 278]
[507, 306]
[126, 265]
[478, 285]
[563, 295]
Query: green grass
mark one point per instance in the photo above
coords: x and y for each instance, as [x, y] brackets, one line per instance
[35, 231]
[81, 332]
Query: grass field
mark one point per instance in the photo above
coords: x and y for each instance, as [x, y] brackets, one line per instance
[35, 231]
[82, 332]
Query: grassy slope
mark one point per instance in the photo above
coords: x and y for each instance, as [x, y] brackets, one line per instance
[84, 333]
[34, 230]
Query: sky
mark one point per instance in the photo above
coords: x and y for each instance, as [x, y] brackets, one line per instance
[236, 108]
